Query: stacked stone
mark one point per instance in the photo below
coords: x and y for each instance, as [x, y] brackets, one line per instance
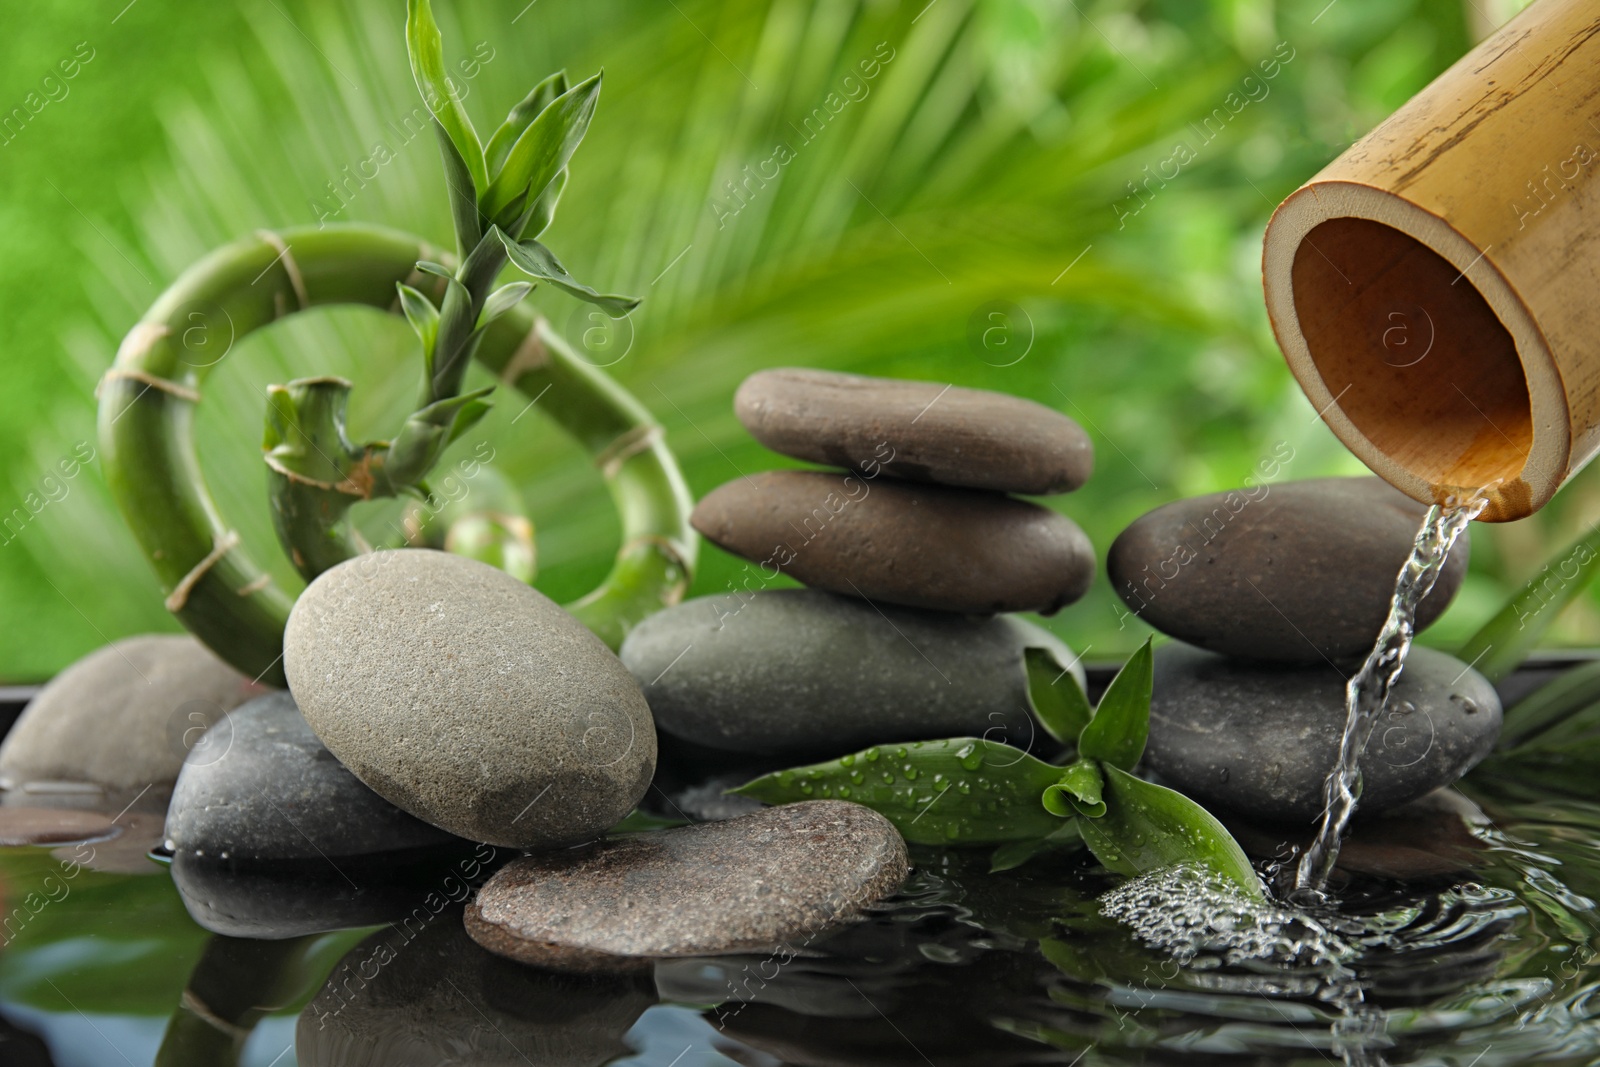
[912, 548]
[1276, 594]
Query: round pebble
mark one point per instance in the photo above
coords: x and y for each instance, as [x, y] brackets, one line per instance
[923, 431]
[276, 793]
[1296, 572]
[802, 672]
[921, 546]
[781, 876]
[1260, 740]
[468, 699]
[124, 716]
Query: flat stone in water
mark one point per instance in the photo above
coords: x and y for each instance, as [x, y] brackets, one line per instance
[51, 826]
[276, 793]
[923, 431]
[1296, 572]
[802, 671]
[1259, 740]
[124, 716]
[427, 997]
[922, 546]
[468, 699]
[781, 876]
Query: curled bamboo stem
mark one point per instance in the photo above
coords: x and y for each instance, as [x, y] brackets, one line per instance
[146, 415]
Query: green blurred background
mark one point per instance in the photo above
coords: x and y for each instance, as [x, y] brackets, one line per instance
[984, 170]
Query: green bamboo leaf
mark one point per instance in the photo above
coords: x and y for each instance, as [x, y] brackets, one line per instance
[1500, 646]
[1058, 703]
[535, 259]
[426, 48]
[1121, 723]
[438, 270]
[526, 110]
[1148, 827]
[426, 434]
[1550, 707]
[503, 300]
[1013, 855]
[1077, 792]
[958, 791]
[536, 219]
[462, 189]
[421, 313]
[543, 149]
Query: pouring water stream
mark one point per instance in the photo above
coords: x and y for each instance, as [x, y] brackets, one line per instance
[1367, 691]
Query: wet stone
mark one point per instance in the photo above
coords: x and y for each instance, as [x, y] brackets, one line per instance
[1295, 572]
[123, 717]
[923, 431]
[781, 876]
[1259, 740]
[468, 699]
[805, 672]
[924, 546]
[275, 792]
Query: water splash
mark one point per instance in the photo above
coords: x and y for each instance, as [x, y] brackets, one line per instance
[1367, 691]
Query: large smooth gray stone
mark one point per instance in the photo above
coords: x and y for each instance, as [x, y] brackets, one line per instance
[924, 431]
[1259, 740]
[124, 716]
[1294, 572]
[276, 793]
[801, 671]
[409, 997]
[782, 875]
[469, 699]
[896, 542]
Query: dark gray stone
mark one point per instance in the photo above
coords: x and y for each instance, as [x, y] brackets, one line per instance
[276, 793]
[468, 699]
[780, 876]
[403, 998]
[924, 431]
[801, 671]
[893, 542]
[1293, 572]
[124, 716]
[1259, 740]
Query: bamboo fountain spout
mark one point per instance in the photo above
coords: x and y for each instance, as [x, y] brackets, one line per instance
[1436, 289]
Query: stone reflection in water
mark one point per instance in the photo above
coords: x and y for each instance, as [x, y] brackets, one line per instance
[294, 899]
[439, 998]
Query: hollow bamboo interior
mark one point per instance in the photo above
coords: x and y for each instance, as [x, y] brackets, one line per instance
[1436, 288]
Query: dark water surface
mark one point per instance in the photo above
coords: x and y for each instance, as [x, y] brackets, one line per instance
[1497, 965]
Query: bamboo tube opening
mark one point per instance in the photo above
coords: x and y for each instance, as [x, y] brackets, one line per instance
[1415, 349]
[1417, 359]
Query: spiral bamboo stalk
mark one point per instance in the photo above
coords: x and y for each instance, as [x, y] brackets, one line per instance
[146, 414]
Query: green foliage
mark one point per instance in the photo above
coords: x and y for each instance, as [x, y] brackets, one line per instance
[1500, 646]
[1121, 723]
[536, 260]
[998, 144]
[541, 151]
[1003, 796]
[1061, 709]
[425, 45]
[962, 790]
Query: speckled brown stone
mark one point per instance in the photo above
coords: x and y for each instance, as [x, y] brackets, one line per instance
[1295, 572]
[468, 699]
[776, 877]
[51, 826]
[923, 546]
[923, 431]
